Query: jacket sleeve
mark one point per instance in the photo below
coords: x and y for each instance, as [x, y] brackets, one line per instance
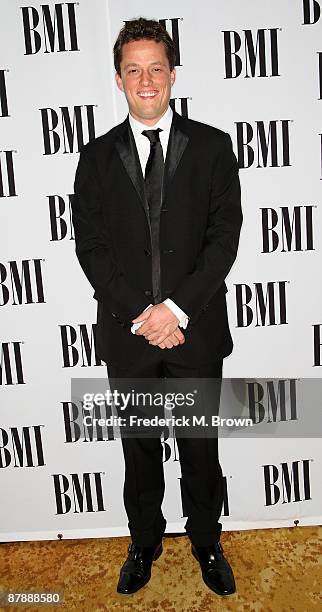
[221, 239]
[93, 245]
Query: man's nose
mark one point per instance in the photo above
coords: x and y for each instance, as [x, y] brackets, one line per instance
[146, 78]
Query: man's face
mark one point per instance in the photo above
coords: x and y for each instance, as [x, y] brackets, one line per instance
[146, 79]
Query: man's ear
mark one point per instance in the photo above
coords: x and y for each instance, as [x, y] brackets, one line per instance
[173, 76]
[119, 82]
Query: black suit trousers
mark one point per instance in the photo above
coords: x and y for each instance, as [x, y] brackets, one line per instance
[202, 486]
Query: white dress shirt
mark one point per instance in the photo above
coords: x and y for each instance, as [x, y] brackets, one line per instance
[143, 148]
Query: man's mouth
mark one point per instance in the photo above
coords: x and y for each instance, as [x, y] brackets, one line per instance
[147, 94]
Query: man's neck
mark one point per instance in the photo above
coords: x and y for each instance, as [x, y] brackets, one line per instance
[149, 122]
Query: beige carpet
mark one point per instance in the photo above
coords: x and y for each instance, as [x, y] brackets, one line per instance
[276, 570]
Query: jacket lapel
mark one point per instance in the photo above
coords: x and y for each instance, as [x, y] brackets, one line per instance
[178, 141]
[126, 147]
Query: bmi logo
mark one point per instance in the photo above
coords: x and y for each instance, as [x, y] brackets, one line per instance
[21, 447]
[287, 482]
[74, 423]
[78, 493]
[79, 346]
[263, 304]
[63, 130]
[272, 402]
[60, 216]
[287, 231]
[251, 54]
[266, 144]
[21, 283]
[50, 28]
[11, 370]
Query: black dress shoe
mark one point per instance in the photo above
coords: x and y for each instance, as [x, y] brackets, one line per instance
[136, 571]
[216, 571]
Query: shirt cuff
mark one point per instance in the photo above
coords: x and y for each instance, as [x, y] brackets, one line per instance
[136, 326]
[180, 314]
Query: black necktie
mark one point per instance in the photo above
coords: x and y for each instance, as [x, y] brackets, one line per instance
[153, 190]
[154, 171]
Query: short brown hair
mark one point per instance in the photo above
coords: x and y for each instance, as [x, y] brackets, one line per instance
[139, 29]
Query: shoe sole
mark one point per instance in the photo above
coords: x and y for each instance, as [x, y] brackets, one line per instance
[156, 556]
[211, 586]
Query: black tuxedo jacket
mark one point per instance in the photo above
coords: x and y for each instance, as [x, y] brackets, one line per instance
[200, 221]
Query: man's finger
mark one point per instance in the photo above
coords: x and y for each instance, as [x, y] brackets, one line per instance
[157, 340]
[173, 339]
[178, 333]
[145, 329]
[154, 336]
[143, 316]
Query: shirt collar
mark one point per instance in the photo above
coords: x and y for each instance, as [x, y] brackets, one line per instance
[164, 123]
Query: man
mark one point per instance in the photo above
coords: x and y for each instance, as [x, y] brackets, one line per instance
[157, 218]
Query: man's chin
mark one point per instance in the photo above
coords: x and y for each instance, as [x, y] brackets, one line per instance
[150, 115]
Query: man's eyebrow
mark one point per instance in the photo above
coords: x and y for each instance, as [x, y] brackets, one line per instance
[152, 64]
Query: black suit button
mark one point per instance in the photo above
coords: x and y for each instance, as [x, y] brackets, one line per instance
[164, 210]
[114, 315]
[147, 252]
[148, 292]
[168, 252]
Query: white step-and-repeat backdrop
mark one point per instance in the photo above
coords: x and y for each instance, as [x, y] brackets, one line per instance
[253, 69]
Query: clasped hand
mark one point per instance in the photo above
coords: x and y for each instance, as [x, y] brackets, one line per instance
[160, 327]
